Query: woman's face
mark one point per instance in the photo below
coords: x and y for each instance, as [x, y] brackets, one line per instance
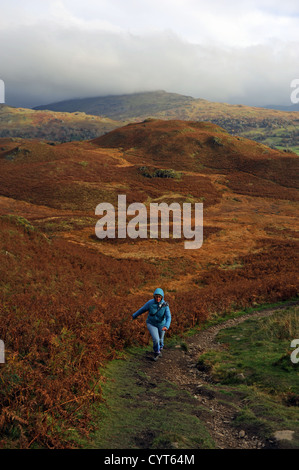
[158, 297]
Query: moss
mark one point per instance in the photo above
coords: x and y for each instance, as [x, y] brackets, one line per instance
[140, 414]
[255, 360]
[19, 220]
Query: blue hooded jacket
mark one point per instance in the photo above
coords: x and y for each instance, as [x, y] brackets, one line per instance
[158, 312]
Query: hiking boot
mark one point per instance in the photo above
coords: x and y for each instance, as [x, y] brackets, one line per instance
[156, 356]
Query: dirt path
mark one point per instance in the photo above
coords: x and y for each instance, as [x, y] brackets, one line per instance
[179, 367]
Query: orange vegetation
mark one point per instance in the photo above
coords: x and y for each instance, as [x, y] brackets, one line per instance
[67, 297]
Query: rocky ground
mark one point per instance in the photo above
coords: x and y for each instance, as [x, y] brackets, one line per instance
[178, 365]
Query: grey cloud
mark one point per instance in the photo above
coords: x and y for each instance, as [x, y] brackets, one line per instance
[50, 64]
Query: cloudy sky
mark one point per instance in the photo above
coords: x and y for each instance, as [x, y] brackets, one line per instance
[244, 51]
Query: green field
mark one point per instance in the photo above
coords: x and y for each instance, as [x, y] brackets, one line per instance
[257, 363]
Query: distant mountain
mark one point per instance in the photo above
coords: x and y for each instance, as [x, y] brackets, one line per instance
[291, 108]
[122, 107]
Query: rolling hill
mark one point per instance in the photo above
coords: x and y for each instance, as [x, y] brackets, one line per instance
[53, 126]
[122, 107]
[269, 126]
[82, 119]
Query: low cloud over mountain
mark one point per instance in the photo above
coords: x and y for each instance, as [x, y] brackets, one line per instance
[246, 54]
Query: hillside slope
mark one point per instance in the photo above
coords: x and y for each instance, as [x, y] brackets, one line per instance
[67, 297]
[202, 404]
[53, 126]
[272, 127]
[122, 107]
[202, 146]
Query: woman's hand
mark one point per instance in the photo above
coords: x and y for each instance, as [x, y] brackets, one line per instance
[164, 328]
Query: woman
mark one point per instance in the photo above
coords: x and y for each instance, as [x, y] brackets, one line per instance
[158, 320]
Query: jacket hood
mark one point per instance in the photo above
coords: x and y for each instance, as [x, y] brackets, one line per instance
[159, 292]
